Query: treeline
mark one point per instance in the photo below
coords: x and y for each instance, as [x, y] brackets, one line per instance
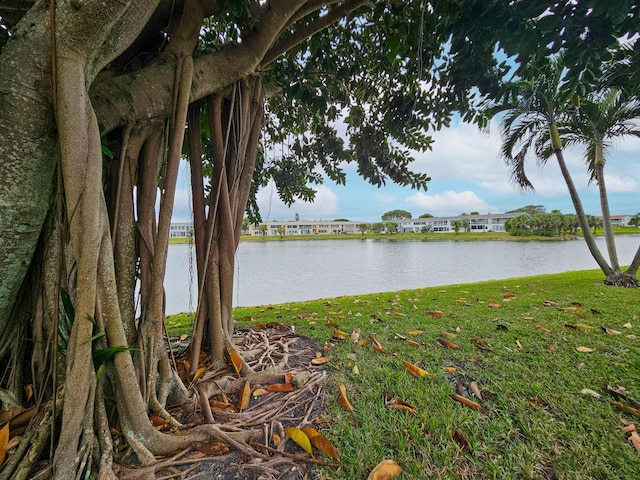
[548, 224]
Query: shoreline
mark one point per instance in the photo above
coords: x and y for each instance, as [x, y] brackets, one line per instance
[462, 237]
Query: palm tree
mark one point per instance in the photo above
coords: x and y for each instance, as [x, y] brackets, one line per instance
[534, 111]
[601, 119]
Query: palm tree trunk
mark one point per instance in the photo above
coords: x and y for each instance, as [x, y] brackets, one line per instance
[577, 204]
[606, 215]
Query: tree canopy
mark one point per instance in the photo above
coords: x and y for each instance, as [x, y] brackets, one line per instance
[396, 215]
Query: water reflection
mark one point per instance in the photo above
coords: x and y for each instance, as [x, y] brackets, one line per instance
[279, 271]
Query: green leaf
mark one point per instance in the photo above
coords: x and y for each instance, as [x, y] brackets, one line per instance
[101, 355]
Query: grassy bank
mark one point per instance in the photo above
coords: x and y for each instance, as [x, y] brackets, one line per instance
[461, 236]
[531, 345]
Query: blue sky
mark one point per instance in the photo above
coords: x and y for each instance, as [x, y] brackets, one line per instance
[466, 175]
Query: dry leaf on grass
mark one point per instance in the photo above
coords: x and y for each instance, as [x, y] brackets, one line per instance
[473, 386]
[584, 326]
[376, 345]
[567, 309]
[411, 343]
[584, 349]
[448, 335]
[385, 470]
[634, 438]
[324, 445]
[342, 398]
[414, 369]
[434, 313]
[467, 402]
[450, 369]
[462, 442]
[610, 331]
[447, 343]
[396, 404]
[588, 391]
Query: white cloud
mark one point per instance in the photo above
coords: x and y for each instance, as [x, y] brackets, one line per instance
[384, 198]
[450, 203]
[271, 207]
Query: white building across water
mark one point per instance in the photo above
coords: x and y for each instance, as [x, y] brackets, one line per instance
[472, 223]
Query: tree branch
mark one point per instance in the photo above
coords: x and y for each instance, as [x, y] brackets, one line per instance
[311, 28]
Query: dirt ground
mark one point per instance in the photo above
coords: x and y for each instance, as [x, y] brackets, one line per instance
[268, 415]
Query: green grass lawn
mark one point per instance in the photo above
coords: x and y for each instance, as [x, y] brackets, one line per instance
[518, 339]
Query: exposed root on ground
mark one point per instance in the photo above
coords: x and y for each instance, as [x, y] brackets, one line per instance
[243, 428]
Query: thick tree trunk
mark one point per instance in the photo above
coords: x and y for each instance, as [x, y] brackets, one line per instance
[28, 149]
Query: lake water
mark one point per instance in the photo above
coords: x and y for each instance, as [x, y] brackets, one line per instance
[294, 270]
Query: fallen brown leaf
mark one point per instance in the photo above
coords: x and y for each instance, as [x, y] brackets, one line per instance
[397, 404]
[219, 404]
[462, 442]
[376, 345]
[215, 447]
[629, 428]
[414, 369]
[411, 343]
[467, 402]
[280, 387]
[323, 444]
[473, 386]
[244, 397]
[385, 470]
[584, 349]
[235, 358]
[448, 335]
[4, 441]
[610, 331]
[627, 409]
[447, 343]
[542, 329]
[342, 398]
[355, 335]
[584, 326]
[634, 438]
[320, 360]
